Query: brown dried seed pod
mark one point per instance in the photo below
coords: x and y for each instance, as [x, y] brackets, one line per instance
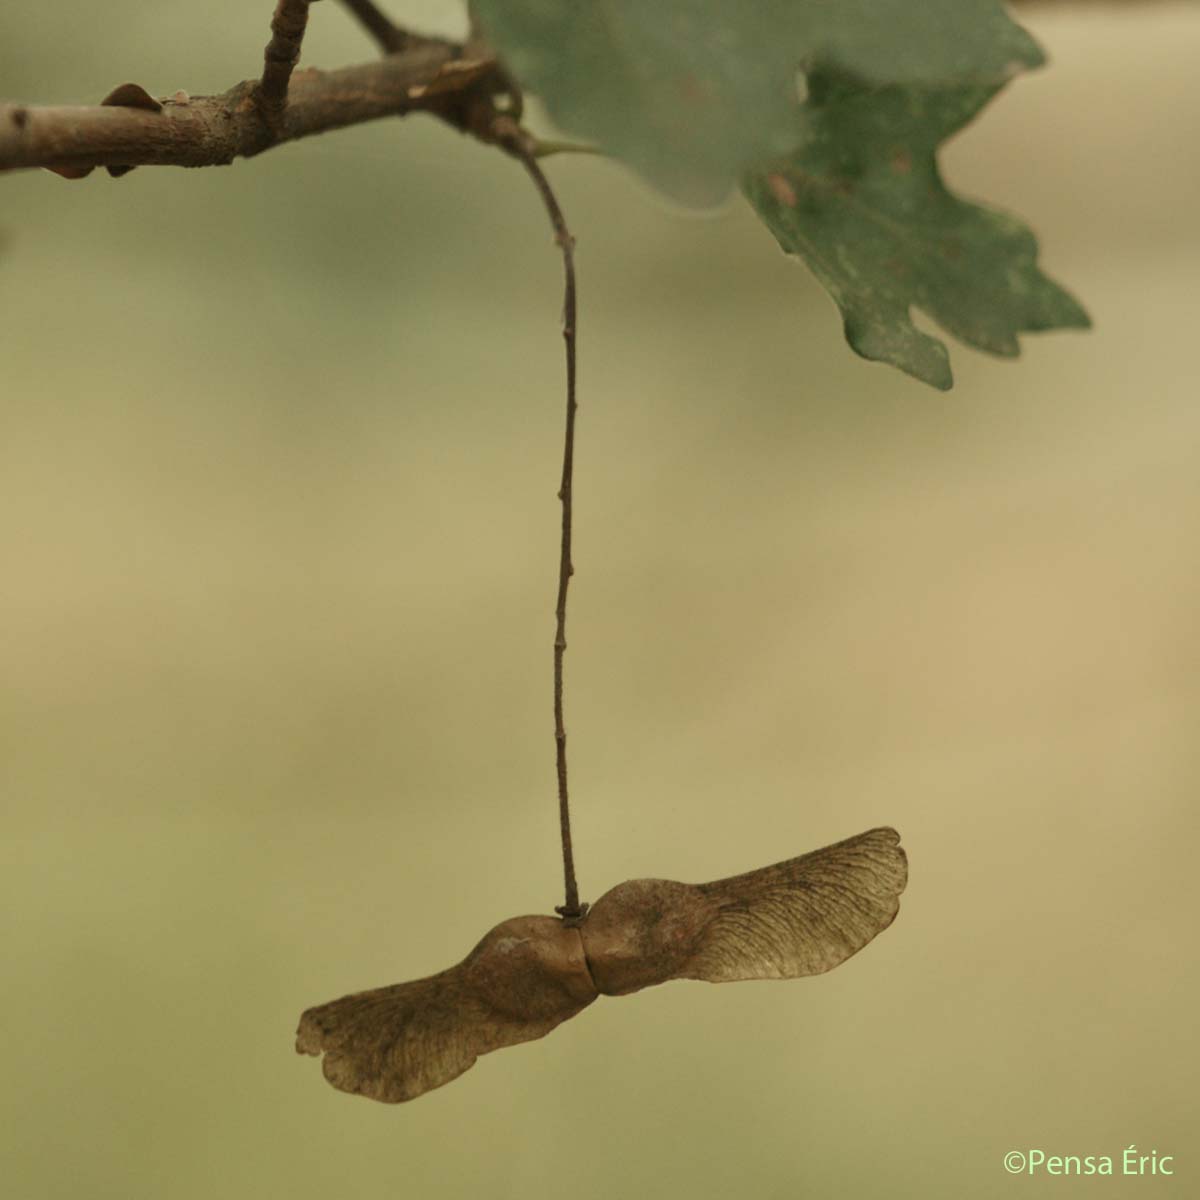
[799, 917]
[529, 974]
[393, 1043]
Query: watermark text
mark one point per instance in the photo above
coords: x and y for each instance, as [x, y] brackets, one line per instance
[1130, 1162]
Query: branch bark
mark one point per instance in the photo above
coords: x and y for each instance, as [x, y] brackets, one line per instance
[428, 75]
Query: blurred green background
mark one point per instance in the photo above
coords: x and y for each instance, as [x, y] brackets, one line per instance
[277, 473]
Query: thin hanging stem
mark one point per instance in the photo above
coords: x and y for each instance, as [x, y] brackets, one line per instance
[523, 147]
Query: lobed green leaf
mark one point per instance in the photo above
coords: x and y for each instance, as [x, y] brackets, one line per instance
[691, 93]
[864, 205]
[830, 114]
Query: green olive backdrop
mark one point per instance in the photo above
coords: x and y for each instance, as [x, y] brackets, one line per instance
[278, 526]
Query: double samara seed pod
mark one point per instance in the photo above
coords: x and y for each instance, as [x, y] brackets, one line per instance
[529, 974]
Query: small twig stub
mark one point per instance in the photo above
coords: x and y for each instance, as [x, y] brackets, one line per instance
[282, 52]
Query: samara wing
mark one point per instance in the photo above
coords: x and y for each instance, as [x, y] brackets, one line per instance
[798, 917]
[394, 1043]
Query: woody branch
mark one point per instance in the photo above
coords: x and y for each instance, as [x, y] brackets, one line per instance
[421, 75]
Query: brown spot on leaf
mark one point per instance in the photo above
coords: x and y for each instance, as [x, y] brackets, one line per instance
[20, 117]
[695, 91]
[901, 161]
[782, 189]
